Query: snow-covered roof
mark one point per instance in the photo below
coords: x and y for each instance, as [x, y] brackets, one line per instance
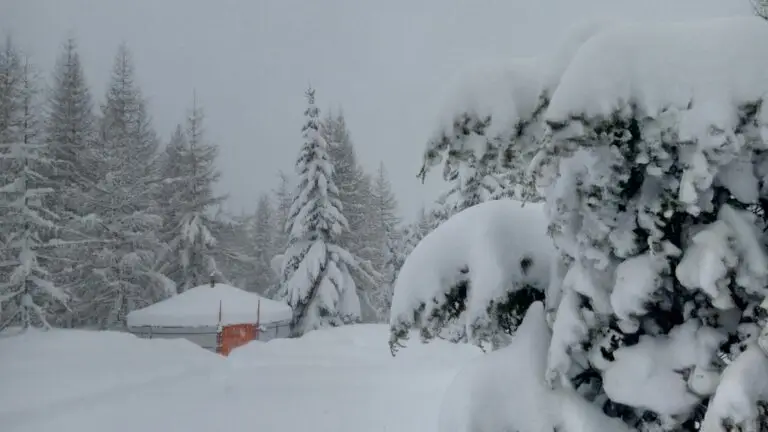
[199, 307]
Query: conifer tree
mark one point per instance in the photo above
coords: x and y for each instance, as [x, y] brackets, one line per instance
[316, 277]
[191, 171]
[26, 288]
[387, 241]
[123, 277]
[263, 243]
[355, 194]
[69, 129]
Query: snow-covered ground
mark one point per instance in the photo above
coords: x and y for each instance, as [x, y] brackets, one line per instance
[331, 380]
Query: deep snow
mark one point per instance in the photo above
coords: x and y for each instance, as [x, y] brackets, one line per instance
[337, 380]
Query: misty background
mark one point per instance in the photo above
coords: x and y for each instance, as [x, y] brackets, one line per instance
[385, 63]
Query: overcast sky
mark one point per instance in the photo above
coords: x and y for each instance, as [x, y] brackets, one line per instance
[384, 62]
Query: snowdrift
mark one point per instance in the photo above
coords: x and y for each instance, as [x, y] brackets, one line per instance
[342, 379]
[362, 344]
[505, 391]
[44, 371]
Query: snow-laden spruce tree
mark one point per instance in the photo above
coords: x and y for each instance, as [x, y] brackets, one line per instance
[262, 237]
[27, 291]
[69, 128]
[649, 149]
[122, 276]
[355, 195]
[386, 236]
[69, 133]
[316, 279]
[650, 204]
[190, 175]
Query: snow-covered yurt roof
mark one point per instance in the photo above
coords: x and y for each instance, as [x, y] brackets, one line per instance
[199, 307]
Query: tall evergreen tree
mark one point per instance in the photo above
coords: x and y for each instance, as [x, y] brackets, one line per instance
[283, 200]
[316, 275]
[69, 126]
[123, 278]
[282, 197]
[69, 129]
[263, 243]
[27, 284]
[192, 244]
[234, 253]
[655, 312]
[11, 77]
[355, 195]
[387, 241]
[384, 211]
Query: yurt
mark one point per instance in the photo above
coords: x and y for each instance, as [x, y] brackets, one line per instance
[218, 317]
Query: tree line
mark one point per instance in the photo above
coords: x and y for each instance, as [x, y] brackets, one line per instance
[101, 217]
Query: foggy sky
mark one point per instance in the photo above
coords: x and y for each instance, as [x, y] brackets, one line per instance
[384, 62]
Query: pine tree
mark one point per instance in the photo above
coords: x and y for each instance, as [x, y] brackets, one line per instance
[69, 125]
[234, 253]
[386, 239]
[316, 276]
[192, 243]
[123, 277]
[656, 314]
[27, 284]
[263, 243]
[355, 195]
[384, 211]
[69, 129]
[283, 201]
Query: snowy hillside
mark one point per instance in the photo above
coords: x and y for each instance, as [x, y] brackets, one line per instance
[104, 381]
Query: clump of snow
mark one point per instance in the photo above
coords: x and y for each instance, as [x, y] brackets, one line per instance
[199, 307]
[743, 383]
[729, 245]
[491, 240]
[48, 371]
[553, 63]
[648, 374]
[276, 264]
[689, 63]
[506, 91]
[506, 390]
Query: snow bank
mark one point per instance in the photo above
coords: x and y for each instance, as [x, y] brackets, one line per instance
[199, 307]
[713, 65]
[505, 390]
[59, 368]
[491, 240]
[350, 346]
[342, 380]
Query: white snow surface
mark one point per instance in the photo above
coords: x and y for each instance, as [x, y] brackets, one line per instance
[712, 64]
[48, 373]
[199, 307]
[342, 380]
[506, 391]
[490, 239]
